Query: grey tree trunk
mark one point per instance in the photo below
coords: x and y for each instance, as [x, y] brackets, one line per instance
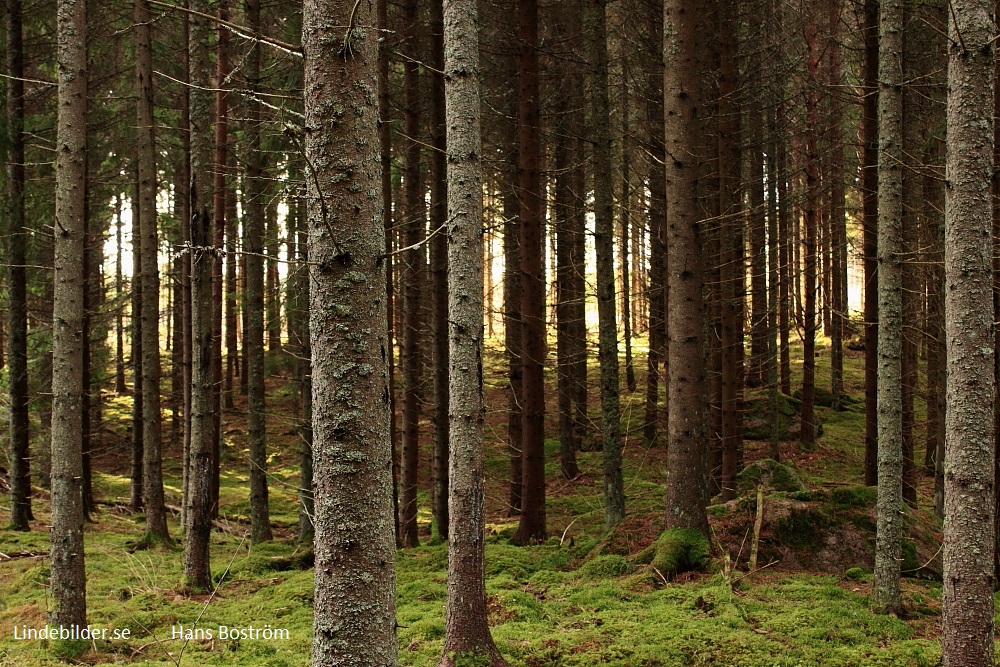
[17, 304]
[198, 501]
[467, 631]
[355, 601]
[604, 242]
[260, 525]
[687, 491]
[967, 598]
[152, 457]
[68, 579]
[889, 514]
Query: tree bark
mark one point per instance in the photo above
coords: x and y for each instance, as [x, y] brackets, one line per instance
[686, 489]
[17, 300]
[260, 525]
[439, 271]
[414, 270]
[869, 185]
[467, 630]
[886, 597]
[68, 578]
[967, 597]
[355, 604]
[152, 463]
[604, 241]
[532, 523]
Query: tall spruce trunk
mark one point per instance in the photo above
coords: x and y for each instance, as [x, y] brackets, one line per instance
[355, 601]
[967, 597]
[869, 186]
[17, 303]
[532, 523]
[152, 457]
[68, 579]
[260, 524]
[136, 482]
[604, 242]
[886, 596]
[467, 631]
[414, 270]
[657, 224]
[439, 272]
[686, 488]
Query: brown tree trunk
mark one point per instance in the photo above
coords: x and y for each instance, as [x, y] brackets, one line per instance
[869, 186]
[17, 303]
[657, 224]
[414, 263]
[260, 524]
[686, 493]
[152, 463]
[355, 609]
[532, 523]
[439, 271]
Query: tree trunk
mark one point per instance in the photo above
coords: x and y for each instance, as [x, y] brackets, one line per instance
[385, 158]
[260, 524]
[68, 579]
[355, 603]
[967, 597]
[414, 263]
[889, 534]
[138, 456]
[807, 435]
[467, 631]
[569, 217]
[869, 185]
[604, 241]
[657, 225]
[532, 524]
[686, 491]
[439, 271]
[152, 463]
[17, 300]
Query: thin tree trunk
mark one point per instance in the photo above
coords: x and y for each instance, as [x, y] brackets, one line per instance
[17, 303]
[439, 271]
[138, 456]
[152, 460]
[414, 262]
[599, 130]
[467, 631]
[869, 185]
[532, 524]
[886, 596]
[260, 524]
[68, 578]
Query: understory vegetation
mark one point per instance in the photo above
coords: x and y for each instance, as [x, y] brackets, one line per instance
[579, 598]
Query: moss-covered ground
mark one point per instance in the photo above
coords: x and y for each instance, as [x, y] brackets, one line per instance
[580, 598]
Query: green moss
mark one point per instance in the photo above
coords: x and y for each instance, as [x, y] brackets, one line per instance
[854, 496]
[676, 550]
[607, 566]
[776, 476]
[857, 574]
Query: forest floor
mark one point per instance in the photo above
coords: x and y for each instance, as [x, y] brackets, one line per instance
[577, 599]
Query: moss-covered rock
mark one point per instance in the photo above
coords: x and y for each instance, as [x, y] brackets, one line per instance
[776, 476]
[676, 550]
[757, 420]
